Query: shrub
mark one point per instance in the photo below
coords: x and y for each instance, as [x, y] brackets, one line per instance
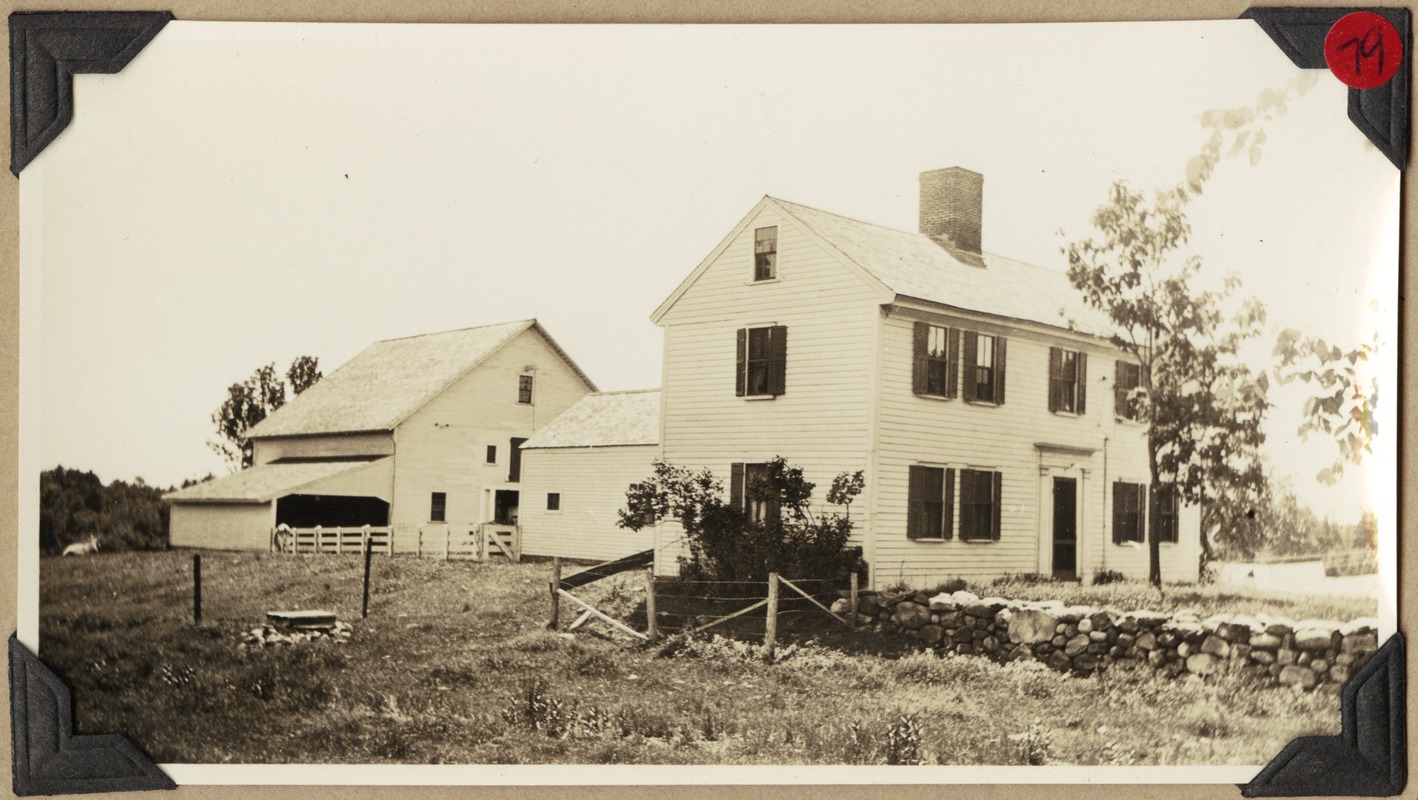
[1023, 579]
[903, 741]
[1105, 576]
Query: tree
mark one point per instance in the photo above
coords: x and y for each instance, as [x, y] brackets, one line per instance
[1348, 394]
[1202, 407]
[251, 401]
[777, 531]
[75, 505]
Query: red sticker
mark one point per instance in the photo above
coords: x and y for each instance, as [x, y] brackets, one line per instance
[1363, 50]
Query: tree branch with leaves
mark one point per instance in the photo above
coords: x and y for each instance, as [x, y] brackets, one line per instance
[252, 400]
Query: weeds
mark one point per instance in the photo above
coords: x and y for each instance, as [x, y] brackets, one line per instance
[1034, 746]
[903, 741]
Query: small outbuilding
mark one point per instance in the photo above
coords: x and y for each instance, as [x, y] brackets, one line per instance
[576, 471]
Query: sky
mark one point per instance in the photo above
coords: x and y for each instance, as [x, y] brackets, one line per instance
[244, 193]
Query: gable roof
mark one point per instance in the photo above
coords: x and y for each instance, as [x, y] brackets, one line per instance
[389, 380]
[604, 420]
[909, 265]
[263, 482]
[914, 265]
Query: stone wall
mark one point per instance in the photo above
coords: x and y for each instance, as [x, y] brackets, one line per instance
[1305, 654]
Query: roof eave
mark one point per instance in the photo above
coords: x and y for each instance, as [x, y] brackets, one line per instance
[918, 304]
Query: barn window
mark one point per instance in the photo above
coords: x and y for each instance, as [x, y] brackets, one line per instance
[553, 501]
[438, 511]
[762, 361]
[765, 254]
[931, 510]
[979, 505]
[936, 365]
[1167, 509]
[751, 491]
[984, 368]
[492, 454]
[524, 389]
[1129, 512]
[1125, 402]
[1068, 381]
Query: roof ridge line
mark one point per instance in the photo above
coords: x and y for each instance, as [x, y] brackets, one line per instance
[456, 330]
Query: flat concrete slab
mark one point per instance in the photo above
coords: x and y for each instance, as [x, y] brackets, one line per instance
[302, 620]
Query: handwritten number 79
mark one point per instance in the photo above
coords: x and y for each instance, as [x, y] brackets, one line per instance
[1366, 47]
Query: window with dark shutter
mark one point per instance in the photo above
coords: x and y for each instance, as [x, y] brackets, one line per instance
[984, 368]
[750, 492]
[736, 484]
[1127, 378]
[762, 361]
[935, 364]
[1129, 512]
[1068, 371]
[931, 495]
[492, 454]
[980, 497]
[553, 501]
[514, 468]
[765, 254]
[1167, 512]
[438, 507]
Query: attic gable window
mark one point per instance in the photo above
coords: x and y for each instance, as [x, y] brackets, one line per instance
[524, 389]
[937, 360]
[984, 368]
[1127, 379]
[765, 254]
[1068, 381]
[762, 361]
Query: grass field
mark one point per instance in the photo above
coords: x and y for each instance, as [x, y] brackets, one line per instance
[454, 665]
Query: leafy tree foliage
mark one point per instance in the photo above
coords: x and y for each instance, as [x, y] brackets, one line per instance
[1347, 394]
[251, 401]
[74, 505]
[780, 533]
[1202, 406]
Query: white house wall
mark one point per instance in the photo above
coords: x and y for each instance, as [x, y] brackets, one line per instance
[821, 422]
[221, 526]
[442, 447]
[334, 445]
[591, 482]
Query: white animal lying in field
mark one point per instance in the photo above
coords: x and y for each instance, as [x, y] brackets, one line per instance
[83, 548]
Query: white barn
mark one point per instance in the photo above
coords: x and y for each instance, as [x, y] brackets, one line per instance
[419, 430]
[576, 472]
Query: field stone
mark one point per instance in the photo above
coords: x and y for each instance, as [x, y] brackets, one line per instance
[1157, 658]
[963, 598]
[1304, 658]
[1103, 618]
[1267, 641]
[1285, 656]
[1076, 645]
[1360, 625]
[1360, 643]
[979, 609]
[1216, 646]
[1098, 636]
[961, 635]
[1003, 616]
[841, 605]
[943, 602]
[1185, 649]
[1097, 648]
[867, 606]
[1339, 674]
[1280, 626]
[1086, 662]
[1147, 640]
[1032, 626]
[1085, 625]
[911, 615]
[1298, 676]
[1074, 613]
[1058, 660]
[1320, 666]
[1314, 638]
[1202, 664]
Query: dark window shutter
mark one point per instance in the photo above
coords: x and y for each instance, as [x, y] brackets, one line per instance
[736, 485]
[916, 502]
[1055, 378]
[997, 505]
[1120, 391]
[1141, 514]
[967, 500]
[741, 381]
[514, 469]
[920, 340]
[999, 370]
[949, 504]
[972, 340]
[1118, 489]
[1082, 383]
[952, 362]
[777, 359]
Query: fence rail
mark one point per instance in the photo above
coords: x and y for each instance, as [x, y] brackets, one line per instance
[331, 540]
[474, 541]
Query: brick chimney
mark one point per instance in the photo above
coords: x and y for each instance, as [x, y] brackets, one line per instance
[951, 204]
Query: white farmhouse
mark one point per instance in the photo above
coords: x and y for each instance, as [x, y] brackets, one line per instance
[420, 430]
[979, 395]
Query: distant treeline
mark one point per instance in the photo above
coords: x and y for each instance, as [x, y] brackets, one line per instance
[75, 505]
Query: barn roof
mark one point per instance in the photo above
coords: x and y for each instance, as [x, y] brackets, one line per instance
[265, 482]
[389, 380]
[914, 265]
[606, 419]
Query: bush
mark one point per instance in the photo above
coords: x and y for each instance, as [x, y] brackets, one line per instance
[1104, 576]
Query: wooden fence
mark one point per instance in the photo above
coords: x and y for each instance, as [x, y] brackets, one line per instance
[475, 541]
[331, 540]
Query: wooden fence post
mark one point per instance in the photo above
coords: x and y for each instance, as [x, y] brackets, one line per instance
[339, 541]
[418, 547]
[652, 625]
[482, 542]
[555, 598]
[368, 551]
[447, 539]
[852, 600]
[197, 589]
[315, 542]
[770, 632]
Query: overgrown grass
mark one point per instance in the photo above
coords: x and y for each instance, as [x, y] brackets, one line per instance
[455, 665]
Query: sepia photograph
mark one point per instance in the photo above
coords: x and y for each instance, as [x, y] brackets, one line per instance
[897, 403]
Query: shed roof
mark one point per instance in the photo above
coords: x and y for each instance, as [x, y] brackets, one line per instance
[914, 265]
[264, 482]
[389, 380]
[604, 420]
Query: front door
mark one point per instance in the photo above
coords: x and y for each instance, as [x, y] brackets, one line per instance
[1065, 529]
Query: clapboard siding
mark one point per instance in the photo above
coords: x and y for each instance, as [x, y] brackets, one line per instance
[221, 526]
[1004, 438]
[341, 444]
[442, 447]
[375, 479]
[820, 423]
[592, 482]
